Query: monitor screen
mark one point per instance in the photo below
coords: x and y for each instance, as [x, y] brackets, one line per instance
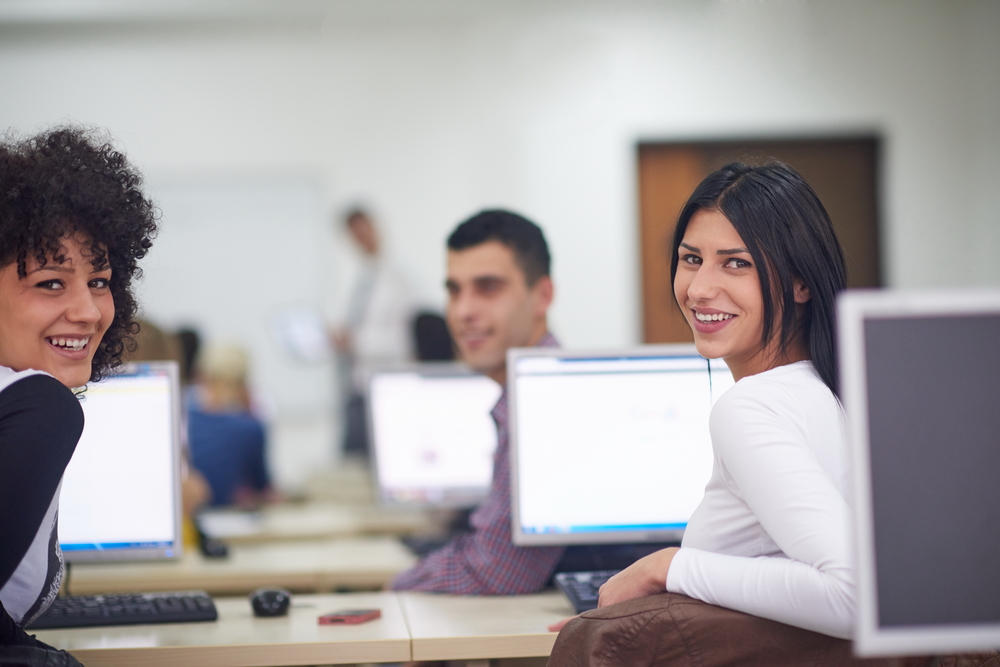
[120, 497]
[919, 387]
[610, 446]
[432, 435]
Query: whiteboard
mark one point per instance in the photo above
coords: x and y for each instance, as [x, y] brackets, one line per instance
[232, 256]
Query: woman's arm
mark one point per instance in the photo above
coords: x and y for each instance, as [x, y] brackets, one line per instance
[760, 436]
[40, 423]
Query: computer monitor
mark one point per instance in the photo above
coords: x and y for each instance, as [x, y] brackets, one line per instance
[919, 374]
[432, 436]
[609, 446]
[120, 497]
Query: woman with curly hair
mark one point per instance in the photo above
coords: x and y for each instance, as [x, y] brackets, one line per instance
[73, 226]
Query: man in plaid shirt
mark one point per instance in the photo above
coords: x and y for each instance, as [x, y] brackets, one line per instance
[499, 291]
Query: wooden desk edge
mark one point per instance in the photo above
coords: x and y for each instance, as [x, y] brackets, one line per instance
[250, 655]
[216, 584]
[240, 583]
[484, 647]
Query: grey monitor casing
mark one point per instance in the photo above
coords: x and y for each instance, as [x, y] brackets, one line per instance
[918, 384]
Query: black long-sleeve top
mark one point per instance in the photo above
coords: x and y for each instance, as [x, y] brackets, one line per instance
[40, 423]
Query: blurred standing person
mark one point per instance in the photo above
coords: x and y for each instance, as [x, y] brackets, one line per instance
[375, 327]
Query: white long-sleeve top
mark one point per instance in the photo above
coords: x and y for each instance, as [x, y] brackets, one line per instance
[771, 537]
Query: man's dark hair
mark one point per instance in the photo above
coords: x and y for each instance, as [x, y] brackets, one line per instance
[522, 236]
[356, 213]
[71, 181]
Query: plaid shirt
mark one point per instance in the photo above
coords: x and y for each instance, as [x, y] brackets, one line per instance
[486, 562]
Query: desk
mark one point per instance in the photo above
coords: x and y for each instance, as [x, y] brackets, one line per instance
[238, 639]
[350, 482]
[313, 520]
[414, 626]
[318, 566]
[445, 627]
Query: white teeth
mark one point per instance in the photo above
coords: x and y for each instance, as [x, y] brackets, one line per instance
[714, 317]
[74, 344]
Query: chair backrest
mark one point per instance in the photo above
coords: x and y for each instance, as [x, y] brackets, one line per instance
[431, 338]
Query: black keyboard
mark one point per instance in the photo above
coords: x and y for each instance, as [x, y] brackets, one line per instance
[582, 587]
[80, 611]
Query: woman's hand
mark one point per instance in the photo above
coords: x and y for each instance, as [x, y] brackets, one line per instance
[558, 625]
[646, 576]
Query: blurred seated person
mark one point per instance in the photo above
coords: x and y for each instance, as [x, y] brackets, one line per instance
[431, 337]
[226, 440]
[154, 344]
[189, 341]
[499, 292]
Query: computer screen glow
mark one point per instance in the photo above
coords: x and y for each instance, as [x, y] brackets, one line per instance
[118, 494]
[612, 448]
[433, 436]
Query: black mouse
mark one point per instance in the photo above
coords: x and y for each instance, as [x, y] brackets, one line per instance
[270, 601]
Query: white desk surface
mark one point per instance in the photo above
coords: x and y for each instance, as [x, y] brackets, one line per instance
[446, 627]
[238, 639]
[349, 482]
[312, 520]
[314, 566]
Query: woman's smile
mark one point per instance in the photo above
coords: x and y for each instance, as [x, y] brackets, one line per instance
[70, 346]
[708, 321]
[53, 318]
[718, 287]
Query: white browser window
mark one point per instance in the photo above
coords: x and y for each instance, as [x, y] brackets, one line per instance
[433, 437]
[613, 444]
[118, 490]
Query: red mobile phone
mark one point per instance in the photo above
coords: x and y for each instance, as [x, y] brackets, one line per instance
[350, 616]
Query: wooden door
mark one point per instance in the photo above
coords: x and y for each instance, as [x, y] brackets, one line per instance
[843, 172]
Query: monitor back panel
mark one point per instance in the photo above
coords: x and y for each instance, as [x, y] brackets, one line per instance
[432, 435]
[120, 497]
[609, 446]
[920, 378]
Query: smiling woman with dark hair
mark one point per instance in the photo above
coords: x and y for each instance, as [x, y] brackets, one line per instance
[73, 226]
[756, 268]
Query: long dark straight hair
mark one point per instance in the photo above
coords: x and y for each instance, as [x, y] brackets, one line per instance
[789, 235]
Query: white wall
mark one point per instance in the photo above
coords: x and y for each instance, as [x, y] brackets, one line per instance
[433, 110]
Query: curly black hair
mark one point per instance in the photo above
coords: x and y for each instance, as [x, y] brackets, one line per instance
[71, 181]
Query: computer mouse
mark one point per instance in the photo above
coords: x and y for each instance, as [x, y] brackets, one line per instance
[270, 601]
